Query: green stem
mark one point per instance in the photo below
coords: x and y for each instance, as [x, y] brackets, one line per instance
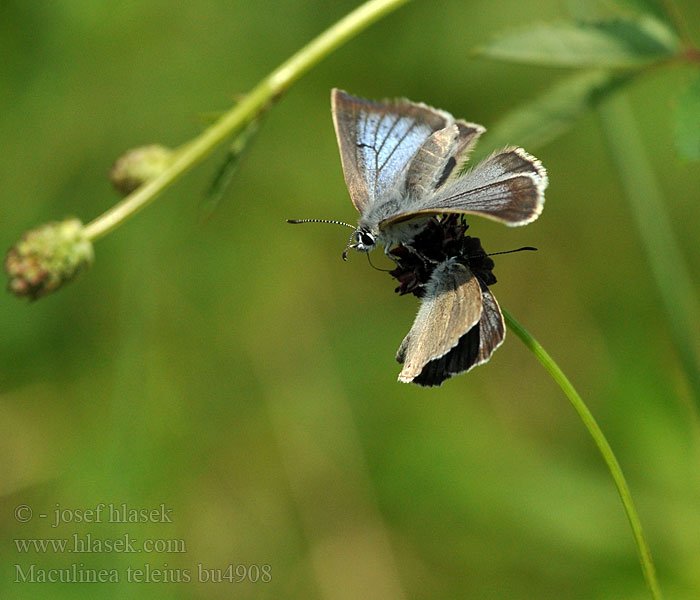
[266, 92]
[608, 456]
[668, 266]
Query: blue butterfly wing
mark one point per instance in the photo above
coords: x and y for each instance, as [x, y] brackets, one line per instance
[377, 141]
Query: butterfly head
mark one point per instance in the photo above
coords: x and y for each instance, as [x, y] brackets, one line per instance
[362, 240]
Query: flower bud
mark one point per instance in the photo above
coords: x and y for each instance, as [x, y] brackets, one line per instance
[139, 165]
[47, 257]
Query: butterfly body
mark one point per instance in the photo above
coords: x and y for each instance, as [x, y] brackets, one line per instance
[400, 233]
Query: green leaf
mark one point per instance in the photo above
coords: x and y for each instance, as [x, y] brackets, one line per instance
[543, 119]
[649, 214]
[603, 9]
[616, 43]
[688, 122]
[224, 174]
[652, 7]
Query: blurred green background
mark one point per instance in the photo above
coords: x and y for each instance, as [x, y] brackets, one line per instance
[236, 371]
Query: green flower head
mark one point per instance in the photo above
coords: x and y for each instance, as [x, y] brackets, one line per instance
[47, 257]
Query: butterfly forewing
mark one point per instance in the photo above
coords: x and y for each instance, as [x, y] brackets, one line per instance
[377, 140]
[451, 307]
[459, 359]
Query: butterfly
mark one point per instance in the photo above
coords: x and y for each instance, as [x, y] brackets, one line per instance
[403, 164]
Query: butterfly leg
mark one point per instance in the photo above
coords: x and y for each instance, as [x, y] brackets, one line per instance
[428, 263]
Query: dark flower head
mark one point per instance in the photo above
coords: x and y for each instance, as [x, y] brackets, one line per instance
[442, 239]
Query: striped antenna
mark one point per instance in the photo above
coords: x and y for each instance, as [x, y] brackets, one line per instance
[297, 221]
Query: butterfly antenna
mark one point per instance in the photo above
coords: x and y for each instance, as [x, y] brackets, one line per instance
[482, 253]
[511, 251]
[331, 222]
[350, 245]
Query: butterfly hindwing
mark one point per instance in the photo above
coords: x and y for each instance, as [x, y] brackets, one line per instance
[507, 187]
[492, 329]
[441, 155]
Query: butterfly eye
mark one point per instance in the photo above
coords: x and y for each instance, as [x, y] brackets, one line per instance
[365, 238]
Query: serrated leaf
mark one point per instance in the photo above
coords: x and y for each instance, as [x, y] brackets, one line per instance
[688, 121]
[551, 114]
[616, 43]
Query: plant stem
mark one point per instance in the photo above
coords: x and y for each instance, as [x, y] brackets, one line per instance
[668, 266]
[608, 456]
[259, 98]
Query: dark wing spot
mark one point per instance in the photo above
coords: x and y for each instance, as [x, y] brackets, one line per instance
[446, 171]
